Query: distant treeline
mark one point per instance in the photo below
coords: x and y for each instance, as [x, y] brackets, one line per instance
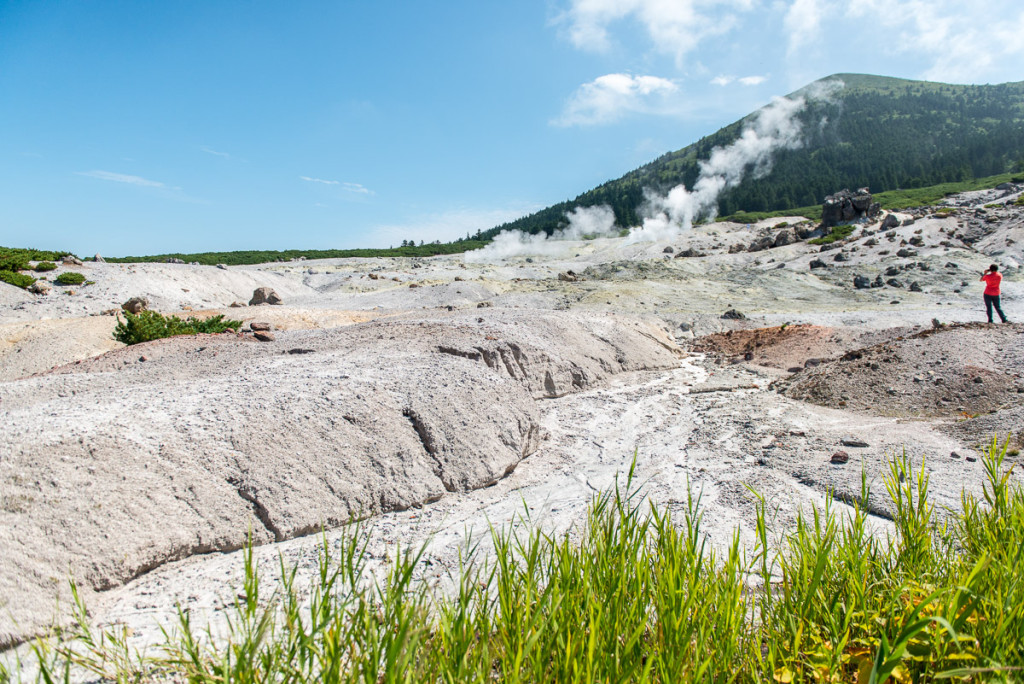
[881, 133]
[266, 256]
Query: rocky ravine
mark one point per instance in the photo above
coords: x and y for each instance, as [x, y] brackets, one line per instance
[116, 465]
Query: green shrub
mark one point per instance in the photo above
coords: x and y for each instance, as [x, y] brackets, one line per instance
[17, 279]
[13, 263]
[150, 325]
[70, 278]
[838, 233]
[45, 266]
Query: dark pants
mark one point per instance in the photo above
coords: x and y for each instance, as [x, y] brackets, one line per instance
[990, 301]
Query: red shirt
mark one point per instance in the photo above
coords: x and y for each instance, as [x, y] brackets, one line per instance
[992, 281]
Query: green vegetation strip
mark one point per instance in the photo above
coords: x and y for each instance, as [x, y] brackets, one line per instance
[267, 256]
[637, 595]
[150, 325]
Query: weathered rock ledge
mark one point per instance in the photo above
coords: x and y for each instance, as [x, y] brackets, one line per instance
[153, 453]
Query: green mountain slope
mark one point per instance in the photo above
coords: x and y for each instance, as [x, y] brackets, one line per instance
[879, 132]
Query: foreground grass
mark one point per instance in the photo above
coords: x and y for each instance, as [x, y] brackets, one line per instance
[640, 597]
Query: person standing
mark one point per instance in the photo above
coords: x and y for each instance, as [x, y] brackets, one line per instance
[992, 277]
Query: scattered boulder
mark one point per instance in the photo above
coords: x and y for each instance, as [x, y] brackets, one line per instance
[906, 252]
[136, 305]
[691, 252]
[861, 282]
[263, 336]
[40, 287]
[761, 244]
[222, 267]
[237, 305]
[892, 282]
[853, 442]
[98, 259]
[878, 282]
[174, 260]
[785, 237]
[890, 221]
[915, 286]
[736, 249]
[840, 457]
[264, 295]
[257, 326]
[568, 276]
[847, 207]
[668, 250]
[818, 263]
[733, 315]
[841, 256]
[70, 260]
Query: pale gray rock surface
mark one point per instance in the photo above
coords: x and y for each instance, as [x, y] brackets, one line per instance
[111, 467]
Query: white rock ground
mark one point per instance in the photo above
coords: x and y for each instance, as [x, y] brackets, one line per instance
[700, 426]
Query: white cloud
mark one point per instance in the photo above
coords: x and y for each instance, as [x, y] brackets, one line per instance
[675, 27]
[447, 226]
[320, 180]
[607, 98]
[123, 178]
[959, 42]
[356, 188]
[723, 80]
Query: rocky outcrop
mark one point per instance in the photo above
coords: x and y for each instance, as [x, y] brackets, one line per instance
[264, 295]
[136, 305]
[113, 467]
[847, 207]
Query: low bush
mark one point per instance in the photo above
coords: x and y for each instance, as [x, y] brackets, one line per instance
[150, 325]
[45, 266]
[838, 233]
[69, 278]
[17, 279]
[13, 263]
[633, 596]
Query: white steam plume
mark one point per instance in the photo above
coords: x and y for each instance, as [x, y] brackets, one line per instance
[776, 127]
[584, 223]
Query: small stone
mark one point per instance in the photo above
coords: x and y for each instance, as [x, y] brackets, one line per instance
[143, 358]
[263, 336]
[853, 442]
[261, 326]
[840, 457]
[136, 305]
[978, 379]
[953, 454]
[971, 459]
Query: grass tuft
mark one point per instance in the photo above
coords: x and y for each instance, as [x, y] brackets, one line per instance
[638, 597]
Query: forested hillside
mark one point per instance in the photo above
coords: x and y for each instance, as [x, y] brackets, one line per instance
[882, 133]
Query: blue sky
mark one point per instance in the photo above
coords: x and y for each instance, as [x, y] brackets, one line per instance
[146, 127]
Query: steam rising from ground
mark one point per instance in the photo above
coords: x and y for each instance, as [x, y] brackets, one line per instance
[584, 223]
[775, 127]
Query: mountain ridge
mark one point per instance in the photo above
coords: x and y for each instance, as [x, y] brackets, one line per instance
[881, 132]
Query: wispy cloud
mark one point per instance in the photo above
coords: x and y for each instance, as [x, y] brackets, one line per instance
[675, 27]
[722, 80]
[320, 180]
[125, 178]
[608, 98]
[207, 150]
[354, 188]
[357, 188]
[753, 80]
